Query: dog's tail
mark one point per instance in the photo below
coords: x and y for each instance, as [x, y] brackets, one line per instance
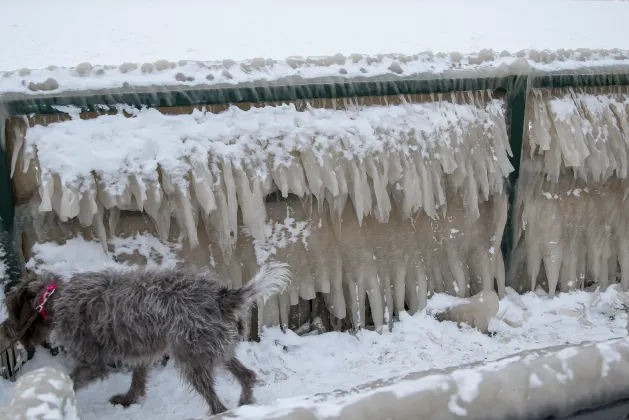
[271, 279]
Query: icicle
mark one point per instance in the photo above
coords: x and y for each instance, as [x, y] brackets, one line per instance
[100, 228]
[46, 192]
[138, 190]
[427, 186]
[290, 179]
[69, 203]
[18, 142]
[202, 182]
[412, 289]
[374, 293]
[251, 203]
[269, 313]
[357, 192]
[280, 177]
[297, 180]
[336, 301]
[422, 288]
[329, 176]
[313, 173]
[411, 187]
[456, 268]
[87, 204]
[284, 304]
[383, 204]
[186, 216]
[114, 216]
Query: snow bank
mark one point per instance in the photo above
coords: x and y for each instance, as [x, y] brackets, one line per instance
[43, 393]
[208, 44]
[552, 382]
[571, 195]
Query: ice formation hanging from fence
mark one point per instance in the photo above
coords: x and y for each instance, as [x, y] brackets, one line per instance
[213, 164]
[382, 204]
[571, 196]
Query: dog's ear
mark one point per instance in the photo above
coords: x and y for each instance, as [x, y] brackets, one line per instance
[17, 300]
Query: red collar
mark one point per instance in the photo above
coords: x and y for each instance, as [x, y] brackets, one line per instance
[44, 298]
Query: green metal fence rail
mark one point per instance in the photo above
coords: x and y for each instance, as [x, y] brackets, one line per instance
[515, 86]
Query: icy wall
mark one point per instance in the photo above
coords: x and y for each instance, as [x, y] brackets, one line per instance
[571, 219]
[384, 203]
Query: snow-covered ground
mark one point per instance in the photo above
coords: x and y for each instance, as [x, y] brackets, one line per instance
[291, 366]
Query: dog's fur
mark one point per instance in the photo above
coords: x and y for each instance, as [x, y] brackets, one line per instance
[139, 315]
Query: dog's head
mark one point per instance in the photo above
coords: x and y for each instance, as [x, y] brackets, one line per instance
[21, 305]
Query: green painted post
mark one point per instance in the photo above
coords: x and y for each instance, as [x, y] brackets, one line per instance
[517, 90]
[7, 243]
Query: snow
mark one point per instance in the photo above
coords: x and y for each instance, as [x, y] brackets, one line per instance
[64, 260]
[155, 42]
[294, 367]
[278, 235]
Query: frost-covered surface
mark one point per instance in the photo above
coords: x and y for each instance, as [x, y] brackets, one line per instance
[572, 189]
[185, 52]
[293, 367]
[211, 164]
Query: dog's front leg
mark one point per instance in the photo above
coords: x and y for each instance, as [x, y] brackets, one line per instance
[137, 389]
[85, 373]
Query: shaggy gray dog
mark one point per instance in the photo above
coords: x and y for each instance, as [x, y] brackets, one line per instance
[139, 315]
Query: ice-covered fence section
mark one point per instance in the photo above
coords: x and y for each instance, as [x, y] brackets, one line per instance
[389, 198]
[572, 223]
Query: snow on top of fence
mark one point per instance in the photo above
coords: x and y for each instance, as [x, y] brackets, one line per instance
[156, 43]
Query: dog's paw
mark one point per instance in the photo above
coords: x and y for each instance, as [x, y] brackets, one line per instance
[123, 400]
[246, 400]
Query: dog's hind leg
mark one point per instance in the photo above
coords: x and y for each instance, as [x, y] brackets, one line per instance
[85, 373]
[137, 389]
[246, 377]
[199, 373]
